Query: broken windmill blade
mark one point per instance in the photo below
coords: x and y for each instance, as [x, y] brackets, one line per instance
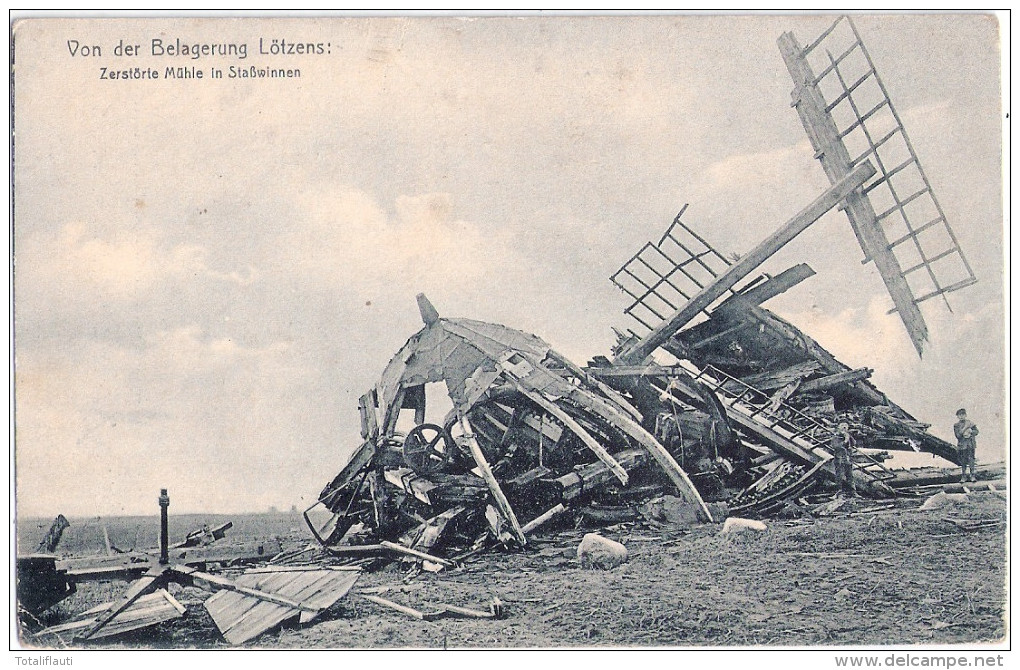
[899, 223]
[204, 535]
[771, 407]
[637, 351]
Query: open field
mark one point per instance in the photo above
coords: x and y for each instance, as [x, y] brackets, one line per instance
[889, 577]
[85, 535]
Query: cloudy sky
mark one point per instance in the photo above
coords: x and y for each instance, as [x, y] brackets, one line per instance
[208, 273]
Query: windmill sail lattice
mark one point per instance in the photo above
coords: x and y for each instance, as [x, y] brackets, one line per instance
[847, 113]
[664, 275]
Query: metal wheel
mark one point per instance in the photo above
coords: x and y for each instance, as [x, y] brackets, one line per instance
[427, 449]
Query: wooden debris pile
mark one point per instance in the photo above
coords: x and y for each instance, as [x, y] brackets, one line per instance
[242, 606]
[742, 413]
[295, 586]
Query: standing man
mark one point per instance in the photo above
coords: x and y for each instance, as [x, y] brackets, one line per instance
[966, 432]
[842, 446]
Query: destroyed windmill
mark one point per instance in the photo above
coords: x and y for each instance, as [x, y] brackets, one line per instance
[746, 414]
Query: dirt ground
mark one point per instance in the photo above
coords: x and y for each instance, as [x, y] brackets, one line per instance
[866, 576]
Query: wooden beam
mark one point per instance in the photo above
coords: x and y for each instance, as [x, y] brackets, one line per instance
[636, 371]
[836, 161]
[588, 478]
[769, 288]
[685, 488]
[798, 338]
[577, 429]
[774, 379]
[776, 441]
[640, 350]
[497, 493]
[835, 380]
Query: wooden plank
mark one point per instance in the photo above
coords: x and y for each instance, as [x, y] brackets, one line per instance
[796, 337]
[305, 568]
[651, 370]
[542, 518]
[225, 583]
[241, 619]
[148, 610]
[577, 429]
[173, 601]
[639, 351]
[410, 611]
[685, 488]
[400, 549]
[48, 545]
[497, 493]
[153, 579]
[355, 550]
[835, 380]
[360, 459]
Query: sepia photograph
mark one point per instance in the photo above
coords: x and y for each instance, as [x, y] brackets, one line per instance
[647, 331]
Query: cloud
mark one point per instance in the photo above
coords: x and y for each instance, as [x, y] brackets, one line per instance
[206, 417]
[343, 237]
[867, 337]
[110, 264]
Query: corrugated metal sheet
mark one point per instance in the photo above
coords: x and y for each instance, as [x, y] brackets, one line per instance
[148, 610]
[241, 617]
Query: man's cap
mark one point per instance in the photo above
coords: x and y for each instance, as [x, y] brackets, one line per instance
[960, 411]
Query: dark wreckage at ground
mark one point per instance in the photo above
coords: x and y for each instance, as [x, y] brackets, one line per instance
[736, 423]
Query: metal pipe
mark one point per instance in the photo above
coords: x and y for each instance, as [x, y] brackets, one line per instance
[164, 535]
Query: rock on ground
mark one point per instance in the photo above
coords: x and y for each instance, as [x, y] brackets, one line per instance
[737, 525]
[596, 551]
[940, 500]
